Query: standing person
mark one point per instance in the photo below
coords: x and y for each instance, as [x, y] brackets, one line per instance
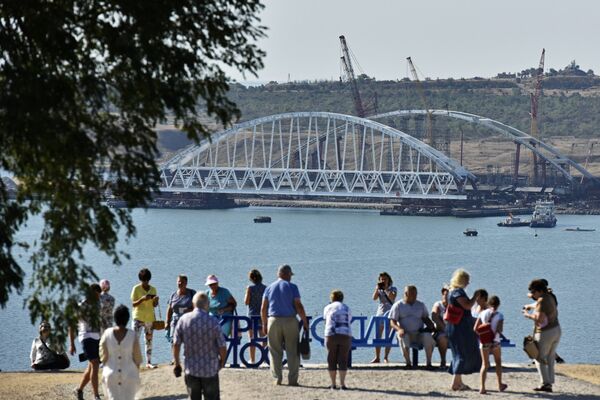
[338, 337]
[495, 320]
[547, 331]
[121, 356]
[42, 358]
[204, 350]
[281, 303]
[437, 316]
[481, 303]
[88, 333]
[385, 294]
[463, 341]
[408, 317]
[107, 304]
[179, 303]
[253, 299]
[144, 298]
[222, 303]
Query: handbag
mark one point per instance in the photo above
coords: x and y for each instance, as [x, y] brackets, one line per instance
[486, 333]
[61, 360]
[158, 324]
[530, 346]
[304, 345]
[453, 314]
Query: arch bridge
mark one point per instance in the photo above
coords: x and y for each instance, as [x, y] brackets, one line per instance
[550, 155]
[316, 154]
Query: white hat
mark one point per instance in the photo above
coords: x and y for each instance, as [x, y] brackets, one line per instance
[211, 279]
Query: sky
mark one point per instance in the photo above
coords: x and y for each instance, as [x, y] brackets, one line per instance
[445, 38]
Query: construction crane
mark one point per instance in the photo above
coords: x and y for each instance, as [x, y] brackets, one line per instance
[535, 101]
[428, 119]
[349, 71]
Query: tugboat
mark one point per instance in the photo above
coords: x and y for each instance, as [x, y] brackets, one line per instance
[262, 220]
[543, 215]
[470, 232]
[512, 222]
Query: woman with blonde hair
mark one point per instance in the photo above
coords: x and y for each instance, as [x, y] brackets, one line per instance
[466, 358]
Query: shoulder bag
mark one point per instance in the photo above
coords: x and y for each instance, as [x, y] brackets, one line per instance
[304, 345]
[485, 331]
[530, 346]
[453, 314]
[158, 324]
[61, 360]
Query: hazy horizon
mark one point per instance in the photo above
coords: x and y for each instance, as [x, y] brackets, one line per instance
[458, 39]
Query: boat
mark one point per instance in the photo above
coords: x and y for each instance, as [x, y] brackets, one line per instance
[513, 222]
[262, 220]
[543, 215]
[578, 229]
[470, 232]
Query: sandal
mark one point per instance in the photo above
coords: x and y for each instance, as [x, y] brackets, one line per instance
[462, 387]
[503, 387]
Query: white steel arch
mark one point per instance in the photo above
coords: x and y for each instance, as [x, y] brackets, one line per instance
[555, 158]
[316, 154]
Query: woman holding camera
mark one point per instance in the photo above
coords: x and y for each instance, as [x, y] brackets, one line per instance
[547, 330]
[385, 294]
[144, 298]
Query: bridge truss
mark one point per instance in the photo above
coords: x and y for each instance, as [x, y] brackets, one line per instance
[555, 159]
[316, 154]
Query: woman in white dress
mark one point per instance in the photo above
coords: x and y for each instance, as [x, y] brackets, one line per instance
[120, 353]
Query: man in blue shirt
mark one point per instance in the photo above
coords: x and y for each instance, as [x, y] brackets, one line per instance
[281, 303]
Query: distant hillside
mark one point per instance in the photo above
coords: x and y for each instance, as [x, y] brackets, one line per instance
[570, 104]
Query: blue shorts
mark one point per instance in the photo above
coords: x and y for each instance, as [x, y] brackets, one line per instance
[91, 348]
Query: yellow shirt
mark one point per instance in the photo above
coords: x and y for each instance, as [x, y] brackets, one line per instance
[144, 311]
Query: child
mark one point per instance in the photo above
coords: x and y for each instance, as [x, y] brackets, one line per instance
[496, 320]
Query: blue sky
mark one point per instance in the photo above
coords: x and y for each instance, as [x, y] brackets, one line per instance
[451, 38]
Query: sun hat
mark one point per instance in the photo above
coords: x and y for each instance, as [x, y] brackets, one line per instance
[211, 279]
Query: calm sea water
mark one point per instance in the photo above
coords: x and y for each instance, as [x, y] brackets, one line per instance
[347, 249]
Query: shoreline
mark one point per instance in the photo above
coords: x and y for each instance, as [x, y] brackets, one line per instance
[366, 381]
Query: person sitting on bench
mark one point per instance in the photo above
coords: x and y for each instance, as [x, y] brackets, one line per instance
[409, 318]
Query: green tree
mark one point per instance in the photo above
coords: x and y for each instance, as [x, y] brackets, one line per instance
[83, 84]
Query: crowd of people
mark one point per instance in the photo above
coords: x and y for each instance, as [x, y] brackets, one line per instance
[471, 327]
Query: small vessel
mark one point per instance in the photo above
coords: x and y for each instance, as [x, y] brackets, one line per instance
[543, 215]
[262, 220]
[512, 222]
[578, 229]
[470, 232]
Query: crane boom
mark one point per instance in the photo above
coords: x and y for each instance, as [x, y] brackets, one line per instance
[349, 71]
[421, 90]
[535, 101]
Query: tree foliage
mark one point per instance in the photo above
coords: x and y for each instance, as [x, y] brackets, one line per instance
[83, 84]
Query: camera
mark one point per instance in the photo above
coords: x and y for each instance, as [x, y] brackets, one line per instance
[380, 285]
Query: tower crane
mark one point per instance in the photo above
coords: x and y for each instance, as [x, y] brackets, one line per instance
[535, 101]
[428, 122]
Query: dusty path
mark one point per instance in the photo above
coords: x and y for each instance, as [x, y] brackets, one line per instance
[365, 383]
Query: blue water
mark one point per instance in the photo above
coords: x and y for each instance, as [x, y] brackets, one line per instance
[334, 249]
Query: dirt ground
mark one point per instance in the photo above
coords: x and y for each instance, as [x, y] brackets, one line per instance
[365, 382]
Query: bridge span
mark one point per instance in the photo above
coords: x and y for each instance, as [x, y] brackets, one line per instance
[330, 154]
[316, 154]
